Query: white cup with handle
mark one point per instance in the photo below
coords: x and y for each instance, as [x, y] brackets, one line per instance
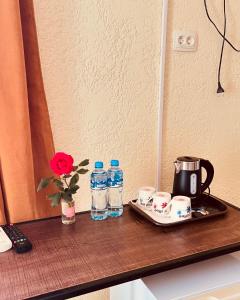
[179, 209]
[145, 195]
[160, 201]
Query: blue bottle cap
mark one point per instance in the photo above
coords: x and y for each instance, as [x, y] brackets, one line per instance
[114, 163]
[98, 164]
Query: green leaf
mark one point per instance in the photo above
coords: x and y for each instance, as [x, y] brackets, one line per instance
[55, 199]
[75, 168]
[83, 163]
[74, 189]
[67, 196]
[44, 182]
[58, 182]
[82, 171]
[74, 180]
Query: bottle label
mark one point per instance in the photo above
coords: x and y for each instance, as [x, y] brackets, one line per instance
[115, 179]
[98, 182]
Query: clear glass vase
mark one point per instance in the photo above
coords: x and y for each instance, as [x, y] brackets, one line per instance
[68, 211]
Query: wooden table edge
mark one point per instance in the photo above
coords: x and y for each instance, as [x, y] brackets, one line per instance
[136, 274]
[92, 286]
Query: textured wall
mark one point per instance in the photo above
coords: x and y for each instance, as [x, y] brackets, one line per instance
[100, 68]
[99, 61]
[196, 120]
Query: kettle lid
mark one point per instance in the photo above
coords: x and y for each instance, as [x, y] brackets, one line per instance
[188, 159]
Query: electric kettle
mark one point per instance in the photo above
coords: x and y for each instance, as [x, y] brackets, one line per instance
[188, 176]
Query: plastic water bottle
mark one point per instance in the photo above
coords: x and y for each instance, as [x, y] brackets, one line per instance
[115, 189]
[99, 210]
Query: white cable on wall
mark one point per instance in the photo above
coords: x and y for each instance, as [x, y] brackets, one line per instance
[161, 89]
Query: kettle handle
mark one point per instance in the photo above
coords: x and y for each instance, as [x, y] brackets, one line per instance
[210, 172]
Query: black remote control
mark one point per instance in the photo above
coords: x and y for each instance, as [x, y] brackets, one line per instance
[21, 243]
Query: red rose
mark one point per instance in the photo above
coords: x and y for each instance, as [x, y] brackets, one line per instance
[61, 163]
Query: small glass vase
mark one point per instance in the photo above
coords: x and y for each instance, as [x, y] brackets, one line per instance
[68, 211]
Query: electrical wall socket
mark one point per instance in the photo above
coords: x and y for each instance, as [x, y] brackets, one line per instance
[185, 41]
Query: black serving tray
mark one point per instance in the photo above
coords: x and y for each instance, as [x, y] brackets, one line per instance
[212, 204]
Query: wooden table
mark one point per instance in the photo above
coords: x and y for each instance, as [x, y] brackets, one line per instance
[70, 260]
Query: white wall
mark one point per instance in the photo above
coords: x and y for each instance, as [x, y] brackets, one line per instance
[100, 66]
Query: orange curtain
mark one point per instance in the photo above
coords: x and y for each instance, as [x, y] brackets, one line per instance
[26, 143]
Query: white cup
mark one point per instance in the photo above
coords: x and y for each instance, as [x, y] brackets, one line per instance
[145, 195]
[179, 208]
[160, 201]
